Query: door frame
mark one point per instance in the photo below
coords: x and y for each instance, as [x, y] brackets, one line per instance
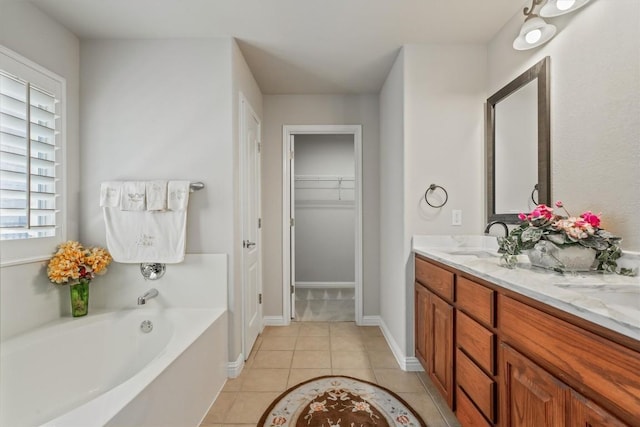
[287, 132]
[247, 110]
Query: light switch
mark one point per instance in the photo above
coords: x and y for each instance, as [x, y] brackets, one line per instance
[456, 217]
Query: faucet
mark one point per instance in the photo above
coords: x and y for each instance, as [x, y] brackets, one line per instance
[492, 223]
[151, 293]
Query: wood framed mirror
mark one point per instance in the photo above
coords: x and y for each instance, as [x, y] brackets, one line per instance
[518, 135]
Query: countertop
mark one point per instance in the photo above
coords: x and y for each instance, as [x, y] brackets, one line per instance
[605, 299]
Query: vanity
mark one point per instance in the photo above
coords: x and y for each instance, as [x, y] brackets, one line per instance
[525, 346]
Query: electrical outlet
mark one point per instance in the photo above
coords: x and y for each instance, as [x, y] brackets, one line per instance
[456, 217]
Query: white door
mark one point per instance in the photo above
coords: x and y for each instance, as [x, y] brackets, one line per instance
[292, 224]
[251, 250]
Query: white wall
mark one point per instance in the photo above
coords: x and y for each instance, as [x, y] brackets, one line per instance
[595, 108]
[325, 220]
[32, 34]
[432, 127]
[392, 201]
[317, 109]
[169, 109]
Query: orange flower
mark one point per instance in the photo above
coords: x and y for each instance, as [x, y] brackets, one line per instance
[72, 261]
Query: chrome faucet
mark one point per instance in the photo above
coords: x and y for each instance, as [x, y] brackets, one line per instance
[492, 223]
[151, 293]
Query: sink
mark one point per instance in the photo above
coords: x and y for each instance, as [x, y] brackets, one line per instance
[479, 253]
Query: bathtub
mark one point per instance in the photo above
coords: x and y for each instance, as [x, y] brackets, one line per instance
[103, 370]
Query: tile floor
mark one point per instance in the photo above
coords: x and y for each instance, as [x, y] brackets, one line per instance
[287, 355]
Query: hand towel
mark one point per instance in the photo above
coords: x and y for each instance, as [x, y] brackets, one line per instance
[110, 194]
[178, 197]
[133, 196]
[145, 236]
[156, 193]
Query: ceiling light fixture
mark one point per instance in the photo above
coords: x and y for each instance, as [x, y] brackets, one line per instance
[555, 8]
[535, 31]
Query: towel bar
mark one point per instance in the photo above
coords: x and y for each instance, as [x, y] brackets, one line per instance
[195, 186]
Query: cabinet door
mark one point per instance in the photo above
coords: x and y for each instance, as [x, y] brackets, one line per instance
[440, 346]
[530, 396]
[585, 413]
[422, 306]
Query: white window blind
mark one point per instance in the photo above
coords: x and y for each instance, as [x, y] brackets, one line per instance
[27, 159]
[31, 160]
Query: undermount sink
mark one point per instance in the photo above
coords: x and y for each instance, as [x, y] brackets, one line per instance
[479, 253]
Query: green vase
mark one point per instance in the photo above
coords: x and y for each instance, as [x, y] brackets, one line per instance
[80, 298]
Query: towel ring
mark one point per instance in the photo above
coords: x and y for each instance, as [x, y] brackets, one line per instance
[535, 188]
[433, 187]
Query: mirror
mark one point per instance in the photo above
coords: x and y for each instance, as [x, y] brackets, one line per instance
[518, 145]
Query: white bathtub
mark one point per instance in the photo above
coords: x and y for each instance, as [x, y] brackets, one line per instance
[103, 370]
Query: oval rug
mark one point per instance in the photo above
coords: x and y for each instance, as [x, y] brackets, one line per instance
[339, 401]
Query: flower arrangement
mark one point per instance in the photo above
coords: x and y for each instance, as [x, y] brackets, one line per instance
[73, 263]
[542, 224]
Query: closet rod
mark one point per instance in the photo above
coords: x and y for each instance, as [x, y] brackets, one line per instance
[299, 178]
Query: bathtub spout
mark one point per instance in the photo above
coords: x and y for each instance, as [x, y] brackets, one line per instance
[151, 293]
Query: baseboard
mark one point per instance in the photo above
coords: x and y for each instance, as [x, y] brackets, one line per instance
[274, 321]
[370, 321]
[406, 363]
[234, 368]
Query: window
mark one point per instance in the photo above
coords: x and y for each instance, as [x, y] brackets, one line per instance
[31, 139]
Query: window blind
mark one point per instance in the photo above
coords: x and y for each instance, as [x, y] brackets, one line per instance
[28, 137]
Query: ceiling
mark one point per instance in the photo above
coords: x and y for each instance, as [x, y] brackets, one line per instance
[296, 46]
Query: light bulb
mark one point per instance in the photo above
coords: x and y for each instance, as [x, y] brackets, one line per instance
[533, 36]
[565, 4]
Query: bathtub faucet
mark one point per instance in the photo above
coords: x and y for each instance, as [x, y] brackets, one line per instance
[151, 293]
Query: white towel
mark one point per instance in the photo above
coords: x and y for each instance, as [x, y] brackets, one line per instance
[146, 236]
[110, 194]
[133, 196]
[178, 198]
[156, 195]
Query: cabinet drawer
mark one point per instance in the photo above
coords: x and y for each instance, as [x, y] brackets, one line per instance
[479, 387]
[477, 342]
[587, 362]
[476, 300]
[466, 413]
[435, 278]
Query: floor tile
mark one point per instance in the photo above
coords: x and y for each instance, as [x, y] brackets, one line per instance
[291, 330]
[343, 328]
[370, 331]
[311, 359]
[265, 380]
[313, 329]
[383, 359]
[249, 406]
[297, 376]
[274, 342]
[233, 384]
[428, 411]
[220, 407]
[376, 343]
[346, 343]
[313, 342]
[350, 359]
[399, 381]
[272, 359]
[363, 374]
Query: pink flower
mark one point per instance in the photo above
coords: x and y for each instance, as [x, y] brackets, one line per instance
[591, 218]
[522, 216]
[559, 204]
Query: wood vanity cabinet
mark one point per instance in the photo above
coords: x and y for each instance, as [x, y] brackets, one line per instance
[519, 362]
[434, 325]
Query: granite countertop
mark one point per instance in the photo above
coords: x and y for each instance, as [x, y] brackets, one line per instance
[608, 300]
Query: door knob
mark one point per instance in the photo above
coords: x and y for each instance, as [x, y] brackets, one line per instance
[248, 244]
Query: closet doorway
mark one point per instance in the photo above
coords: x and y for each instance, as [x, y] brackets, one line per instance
[322, 223]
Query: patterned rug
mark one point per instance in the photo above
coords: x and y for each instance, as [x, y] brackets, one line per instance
[338, 401]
